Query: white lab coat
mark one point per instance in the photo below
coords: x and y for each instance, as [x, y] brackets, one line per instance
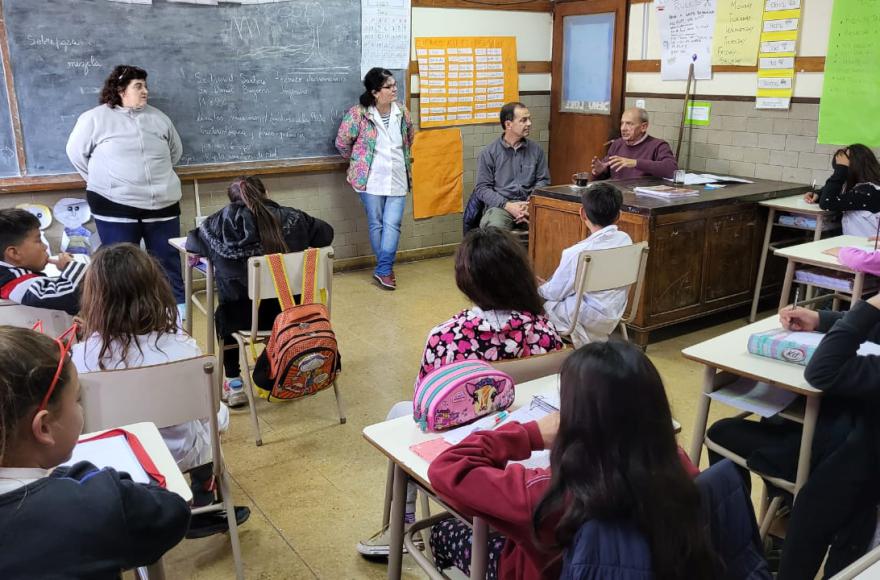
[600, 311]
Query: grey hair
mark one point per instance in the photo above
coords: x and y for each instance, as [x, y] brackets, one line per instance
[643, 114]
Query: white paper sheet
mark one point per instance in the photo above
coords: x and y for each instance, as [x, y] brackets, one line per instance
[759, 398]
[112, 452]
[524, 414]
[686, 29]
[385, 35]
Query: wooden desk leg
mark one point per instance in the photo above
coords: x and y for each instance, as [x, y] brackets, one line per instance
[811, 414]
[820, 222]
[786, 284]
[211, 339]
[762, 264]
[702, 415]
[858, 286]
[479, 549]
[188, 293]
[398, 505]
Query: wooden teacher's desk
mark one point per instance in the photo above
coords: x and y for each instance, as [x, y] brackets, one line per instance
[704, 250]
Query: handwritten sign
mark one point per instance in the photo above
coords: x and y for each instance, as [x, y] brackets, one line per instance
[782, 5]
[851, 91]
[686, 29]
[737, 31]
[385, 34]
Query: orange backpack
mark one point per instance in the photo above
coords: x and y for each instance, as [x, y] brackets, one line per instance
[301, 355]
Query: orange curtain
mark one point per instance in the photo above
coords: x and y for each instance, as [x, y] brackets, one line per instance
[438, 165]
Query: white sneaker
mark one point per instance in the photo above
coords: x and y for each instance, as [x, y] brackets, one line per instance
[233, 393]
[377, 545]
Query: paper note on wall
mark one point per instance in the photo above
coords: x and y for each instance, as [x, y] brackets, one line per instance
[850, 104]
[385, 34]
[776, 54]
[737, 32]
[686, 28]
[438, 168]
[465, 80]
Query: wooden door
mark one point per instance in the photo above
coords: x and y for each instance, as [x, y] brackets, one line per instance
[586, 96]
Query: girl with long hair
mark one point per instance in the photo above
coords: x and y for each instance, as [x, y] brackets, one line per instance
[251, 225]
[854, 189]
[613, 457]
[130, 320]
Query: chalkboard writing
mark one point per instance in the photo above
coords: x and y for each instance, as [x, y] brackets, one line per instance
[240, 82]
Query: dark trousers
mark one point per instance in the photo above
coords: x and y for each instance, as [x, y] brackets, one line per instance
[234, 316]
[155, 236]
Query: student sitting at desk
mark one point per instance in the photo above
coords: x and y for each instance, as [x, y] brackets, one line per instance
[836, 510]
[854, 189]
[24, 256]
[635, 154]
[599, 312]
[67, 522]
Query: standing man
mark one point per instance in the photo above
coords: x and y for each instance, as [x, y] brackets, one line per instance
[508, 170]
[635, 154]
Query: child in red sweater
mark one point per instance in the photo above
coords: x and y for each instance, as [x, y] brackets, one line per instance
[613, 455]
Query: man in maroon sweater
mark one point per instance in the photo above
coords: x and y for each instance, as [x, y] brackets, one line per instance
[635, 154]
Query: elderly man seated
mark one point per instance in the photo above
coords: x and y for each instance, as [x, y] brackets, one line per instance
[635, 154]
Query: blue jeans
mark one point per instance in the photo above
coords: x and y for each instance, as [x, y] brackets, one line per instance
[155, 236]
[384, 214]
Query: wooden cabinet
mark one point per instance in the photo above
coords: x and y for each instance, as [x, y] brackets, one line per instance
[704, 250]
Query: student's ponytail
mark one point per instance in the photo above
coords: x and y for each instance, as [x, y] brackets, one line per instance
[251, 192]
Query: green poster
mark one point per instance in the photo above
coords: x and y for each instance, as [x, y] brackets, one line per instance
[850, 105]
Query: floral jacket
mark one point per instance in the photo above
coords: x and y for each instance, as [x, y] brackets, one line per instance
[356, 141]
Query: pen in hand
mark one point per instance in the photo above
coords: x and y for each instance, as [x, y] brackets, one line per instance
[797, 292]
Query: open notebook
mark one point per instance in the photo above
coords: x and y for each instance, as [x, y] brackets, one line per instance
[120, 450]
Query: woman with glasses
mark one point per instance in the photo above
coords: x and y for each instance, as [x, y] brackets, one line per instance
[376, 137]
[125, 150]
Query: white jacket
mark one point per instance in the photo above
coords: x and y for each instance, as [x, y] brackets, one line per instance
[600, 311]
[127, 155]
[189, 443]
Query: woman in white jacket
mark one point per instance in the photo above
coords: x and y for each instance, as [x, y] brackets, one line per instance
[125, 150]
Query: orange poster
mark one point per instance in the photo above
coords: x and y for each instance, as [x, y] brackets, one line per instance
[464, 80]
[438, 167]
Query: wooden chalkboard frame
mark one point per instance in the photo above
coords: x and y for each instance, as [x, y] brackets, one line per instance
[35, 183]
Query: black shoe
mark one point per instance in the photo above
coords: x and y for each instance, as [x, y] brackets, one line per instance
[204, 525]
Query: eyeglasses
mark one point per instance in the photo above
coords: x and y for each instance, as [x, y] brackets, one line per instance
[65, 342]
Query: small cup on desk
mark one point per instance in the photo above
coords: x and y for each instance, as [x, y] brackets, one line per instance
[679, 176]
[581, 179]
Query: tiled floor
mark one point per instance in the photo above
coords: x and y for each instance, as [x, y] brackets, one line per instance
[315, 487]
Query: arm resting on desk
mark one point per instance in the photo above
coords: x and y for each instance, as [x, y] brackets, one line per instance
[860, 260]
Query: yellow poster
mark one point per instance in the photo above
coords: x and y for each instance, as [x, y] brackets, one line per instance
[776, 54]
[465, 80]
[438, 168]
[737, 32]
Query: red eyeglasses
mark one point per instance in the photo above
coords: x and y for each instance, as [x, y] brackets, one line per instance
[65, 342]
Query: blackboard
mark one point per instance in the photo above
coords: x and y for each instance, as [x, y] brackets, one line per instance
[241, 82]
[8, 157]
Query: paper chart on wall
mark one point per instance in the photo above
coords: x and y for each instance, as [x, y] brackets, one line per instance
[385, 34]
[737, 32]
[776, 53]
[465, 80]
[686, 29]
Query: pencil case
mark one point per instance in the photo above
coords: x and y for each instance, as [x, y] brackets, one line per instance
[459, 393]
[782, 345]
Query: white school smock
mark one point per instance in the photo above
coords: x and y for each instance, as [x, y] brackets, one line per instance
[600, 311]
[388, 169]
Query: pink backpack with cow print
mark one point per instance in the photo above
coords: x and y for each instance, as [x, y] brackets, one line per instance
[459, 393]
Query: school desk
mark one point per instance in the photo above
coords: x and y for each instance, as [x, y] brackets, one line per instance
[205, 266]
[796, 206]
[726, 359]
[811, 254]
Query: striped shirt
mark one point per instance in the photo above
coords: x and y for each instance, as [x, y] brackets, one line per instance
[36, 289]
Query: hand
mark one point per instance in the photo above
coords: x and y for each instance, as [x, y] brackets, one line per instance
[799, 319]
[548, 425]
[61, 260]
[832, 251]
[598, 166]
[841, 158]
[617, 162]
[811, 197]
[518, 209]
[193, 260]
[875, 301]
[540, 280]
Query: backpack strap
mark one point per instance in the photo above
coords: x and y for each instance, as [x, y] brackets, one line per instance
[310, 276]
[279, 278]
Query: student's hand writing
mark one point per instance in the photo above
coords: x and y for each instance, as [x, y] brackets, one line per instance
[799, 319]
[598, 166]
[548, 425]
[617, 162]
[61, 260]
[832, 251]
[811, 197]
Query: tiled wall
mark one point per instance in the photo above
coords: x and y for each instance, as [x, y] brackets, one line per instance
[745, 141]
[329, 197]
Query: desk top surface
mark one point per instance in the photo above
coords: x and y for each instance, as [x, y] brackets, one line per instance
[730, 352]
[811, 252]
[796, 204]
[760, 190]
[394, 437]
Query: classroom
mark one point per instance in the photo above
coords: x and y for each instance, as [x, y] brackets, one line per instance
[502, 289]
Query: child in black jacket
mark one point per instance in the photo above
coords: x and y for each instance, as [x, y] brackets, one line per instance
[71, 522]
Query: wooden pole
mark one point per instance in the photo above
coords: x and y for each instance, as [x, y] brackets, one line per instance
[684, 107]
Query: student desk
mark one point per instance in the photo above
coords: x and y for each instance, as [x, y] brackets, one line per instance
[210, 339]
[704, 249]
[810, 254]
[155, 447]
[865, 568]
[727, 357]
[394, 438]
[794, 205]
